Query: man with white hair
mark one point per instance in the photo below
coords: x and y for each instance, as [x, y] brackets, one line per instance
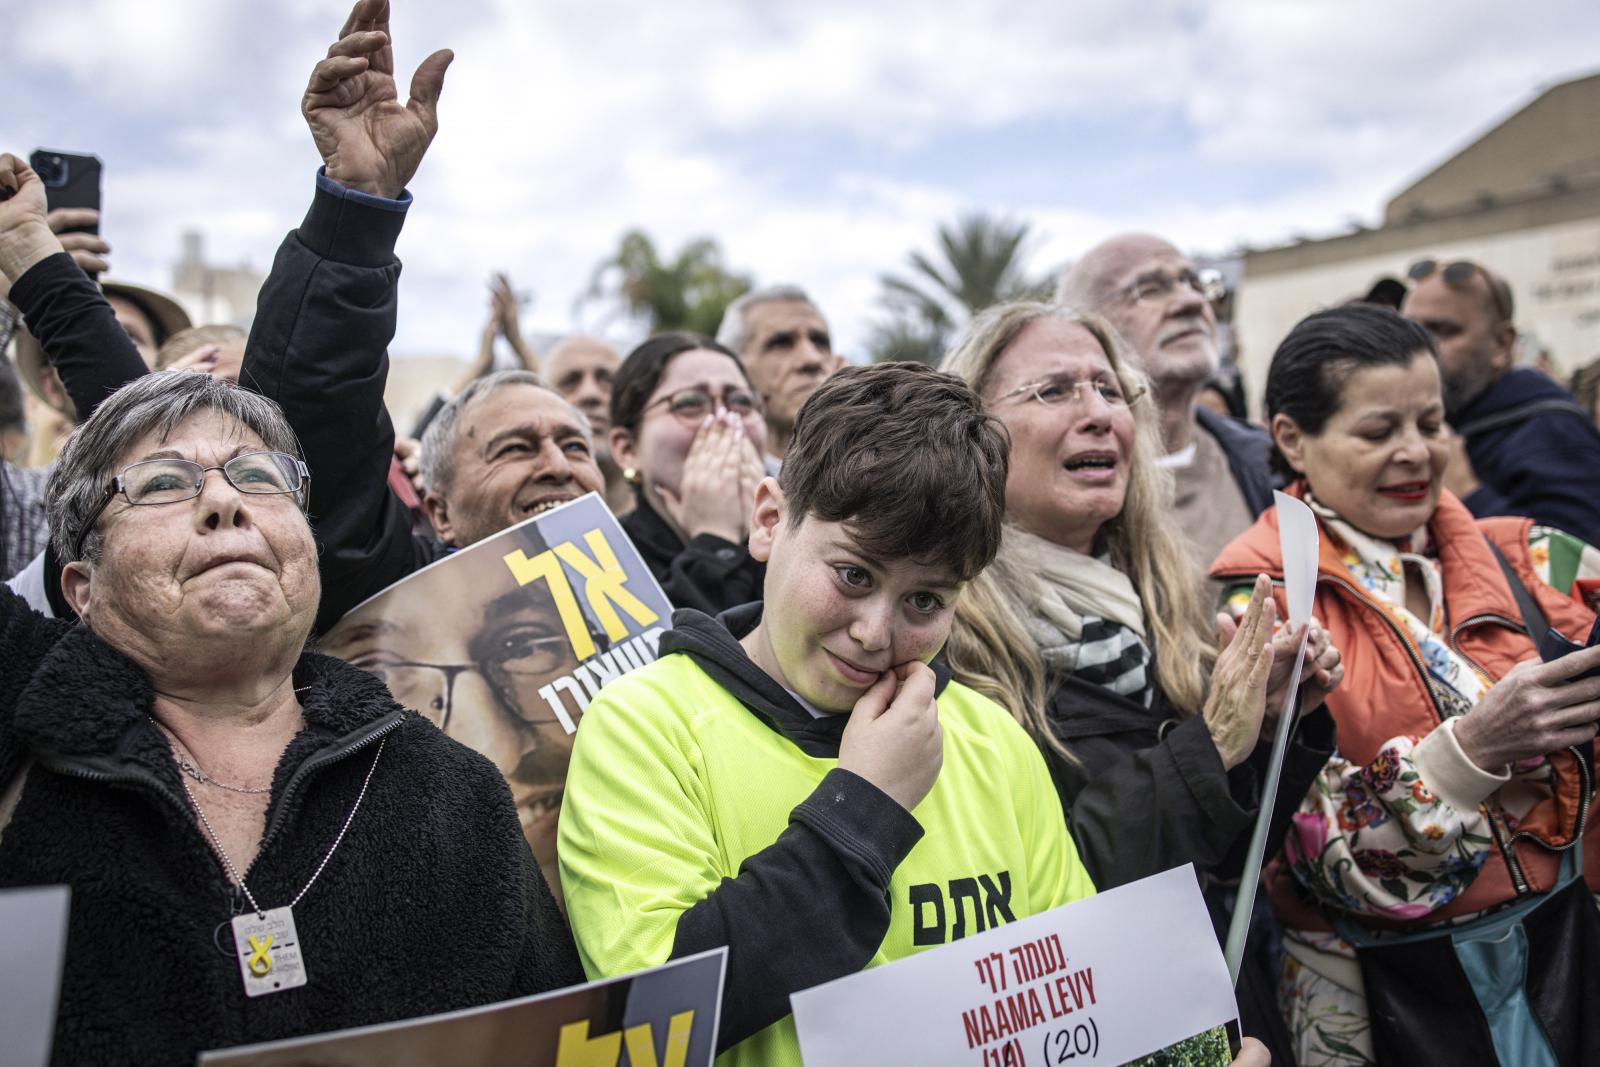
[783, 341]
[1162, 306]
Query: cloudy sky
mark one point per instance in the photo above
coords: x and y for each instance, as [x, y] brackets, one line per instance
[817, 141]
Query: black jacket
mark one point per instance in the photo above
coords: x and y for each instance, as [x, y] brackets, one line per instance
[1149, 792]
[319, 347]
[1536, 452]
[1249, 451]
[708, 574]
[432, 901]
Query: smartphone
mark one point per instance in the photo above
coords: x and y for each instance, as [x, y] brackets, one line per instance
[1555, 646]
[70, 180]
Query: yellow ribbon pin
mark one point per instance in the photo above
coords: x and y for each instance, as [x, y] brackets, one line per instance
[260, 963]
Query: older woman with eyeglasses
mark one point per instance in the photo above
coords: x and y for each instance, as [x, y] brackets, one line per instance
[259, 840]
[1089, 626]
[688, 432]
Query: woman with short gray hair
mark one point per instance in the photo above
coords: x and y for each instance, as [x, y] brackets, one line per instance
[260, 842]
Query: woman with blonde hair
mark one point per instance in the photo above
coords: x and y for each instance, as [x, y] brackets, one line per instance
[1089, 626]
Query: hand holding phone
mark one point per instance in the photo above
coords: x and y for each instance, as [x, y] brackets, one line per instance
[1554, 646]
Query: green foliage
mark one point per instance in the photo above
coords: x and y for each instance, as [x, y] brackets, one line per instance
[688, 292]
[981, 262]
[1208, 1049]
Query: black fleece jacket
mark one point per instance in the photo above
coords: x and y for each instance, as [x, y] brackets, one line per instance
[827, 874]
[432, 901]
[708, 574]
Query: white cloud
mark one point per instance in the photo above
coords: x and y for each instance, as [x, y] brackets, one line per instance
[565, 124]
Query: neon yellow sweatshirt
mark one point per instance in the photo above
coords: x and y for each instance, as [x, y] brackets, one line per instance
[697, 816]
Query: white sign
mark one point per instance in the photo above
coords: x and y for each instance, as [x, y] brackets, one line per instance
[1104, 980]
[33, 944]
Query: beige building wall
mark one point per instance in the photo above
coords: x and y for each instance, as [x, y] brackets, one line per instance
[1554, 273]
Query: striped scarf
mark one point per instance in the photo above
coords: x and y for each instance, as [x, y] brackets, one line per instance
[1087, 619]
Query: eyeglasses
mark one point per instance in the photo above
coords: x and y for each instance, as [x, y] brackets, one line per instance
[514, 676]
[695, 403]
[1146, 288]
[1459, 273]
[172, 481]
[1062, 389]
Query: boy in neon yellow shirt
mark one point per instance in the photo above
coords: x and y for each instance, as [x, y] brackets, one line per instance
[793, 779]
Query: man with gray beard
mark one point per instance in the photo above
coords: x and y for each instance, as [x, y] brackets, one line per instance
[1161, 305]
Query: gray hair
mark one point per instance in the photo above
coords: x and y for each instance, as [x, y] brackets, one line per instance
[732, 335]
[156, 403]
[438, 440]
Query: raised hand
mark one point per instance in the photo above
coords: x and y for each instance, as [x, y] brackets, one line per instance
[1238, 698]
[25, 234]
[369, 141]
[1322, 674]
[893, 738]
[1535, 709]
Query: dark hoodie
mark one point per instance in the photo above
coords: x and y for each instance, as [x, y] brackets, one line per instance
[828, 871]
[1536, 452]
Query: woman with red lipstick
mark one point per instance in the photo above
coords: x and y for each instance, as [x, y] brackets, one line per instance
[1089, 626]
[1461, 777]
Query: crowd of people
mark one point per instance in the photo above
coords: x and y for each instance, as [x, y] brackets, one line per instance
[1014, 619]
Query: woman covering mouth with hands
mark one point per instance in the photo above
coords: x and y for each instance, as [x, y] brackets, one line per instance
[688, 432]
[1088, 626]
[1458, 785]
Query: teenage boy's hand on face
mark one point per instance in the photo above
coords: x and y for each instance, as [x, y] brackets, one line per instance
[893, 739]
[710, 497]
[369, 141]
[1238, 698]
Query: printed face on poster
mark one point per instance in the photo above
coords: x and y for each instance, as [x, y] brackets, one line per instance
[663, 1017]
[504, 643]
[1121, 976]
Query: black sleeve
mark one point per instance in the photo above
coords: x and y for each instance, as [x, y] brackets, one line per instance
[712, 574]
[1137, 813]
[811, 907]
[1310, 746]
[79, 333]
[319, 348]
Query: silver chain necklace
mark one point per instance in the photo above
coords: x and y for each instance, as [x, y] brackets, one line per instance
[257, 937]
[187, 764]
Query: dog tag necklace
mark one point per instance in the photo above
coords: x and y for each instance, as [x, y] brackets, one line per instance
[265, 941]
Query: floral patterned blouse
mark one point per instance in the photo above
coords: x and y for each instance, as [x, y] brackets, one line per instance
[1376, 839]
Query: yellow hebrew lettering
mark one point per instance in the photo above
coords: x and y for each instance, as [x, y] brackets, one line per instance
[546, 566]
[642, 1046]
[605, 583]
[578, 1049]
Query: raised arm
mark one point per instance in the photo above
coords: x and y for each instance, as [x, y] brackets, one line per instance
[327, 312]
[64, 309]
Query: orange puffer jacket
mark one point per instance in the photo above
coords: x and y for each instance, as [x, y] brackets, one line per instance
[1385, 693]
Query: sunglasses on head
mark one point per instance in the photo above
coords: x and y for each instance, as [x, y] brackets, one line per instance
[1458, 274]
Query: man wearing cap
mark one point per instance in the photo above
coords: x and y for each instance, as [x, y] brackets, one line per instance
[1161, 304]
[1524, 445]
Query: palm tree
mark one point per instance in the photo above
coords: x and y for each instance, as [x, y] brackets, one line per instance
[689, 292]
[982, 262]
